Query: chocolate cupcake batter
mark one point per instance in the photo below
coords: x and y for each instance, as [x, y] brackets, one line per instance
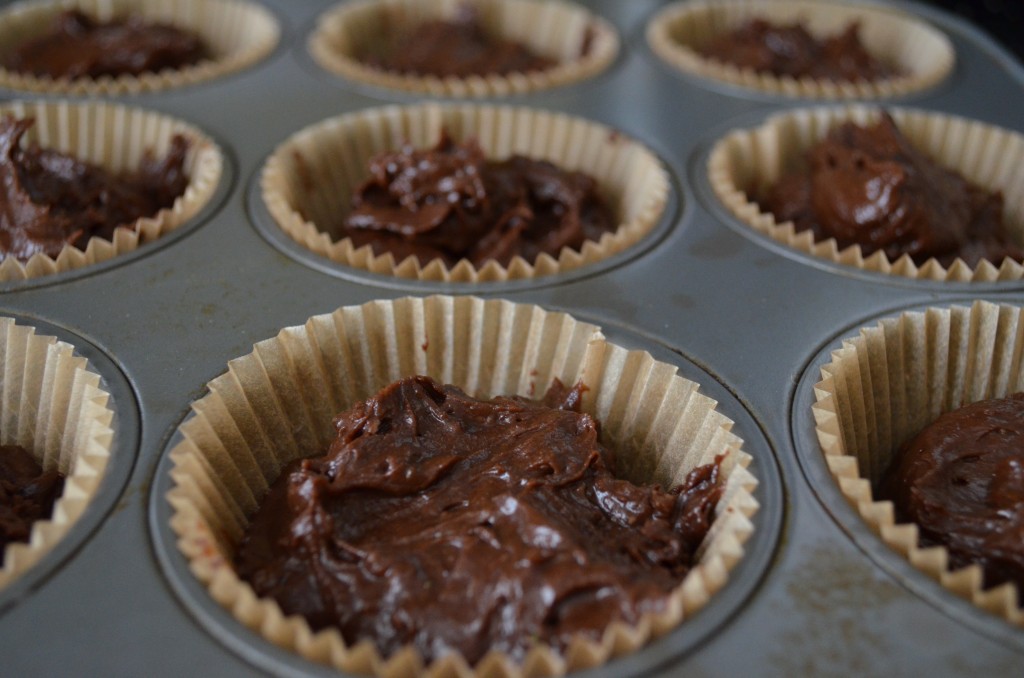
[78, 46]
[790, 50]
[450, 203]
[459, 48]
[27, 494]
[961, 480]
[50, 199]
[463, 525]
[868, 186]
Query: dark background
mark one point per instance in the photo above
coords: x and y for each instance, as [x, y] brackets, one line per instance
[1002, 19]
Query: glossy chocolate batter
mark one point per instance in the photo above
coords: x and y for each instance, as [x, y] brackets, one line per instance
[78, 46]
[459, 48]
[961, 480]
[49, 199]
[464, 525]
[27, 494]
[790, 50]
[449, 202]
[868, 186]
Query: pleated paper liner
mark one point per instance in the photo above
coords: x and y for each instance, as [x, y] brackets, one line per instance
[746, 162]
[922, 55]
[262, 413]
[309, 180]
[238, 34]
[52, 405]
[581, 43]
[889, 382]
[116, 138]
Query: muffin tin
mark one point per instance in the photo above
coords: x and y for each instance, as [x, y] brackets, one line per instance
[750, 320]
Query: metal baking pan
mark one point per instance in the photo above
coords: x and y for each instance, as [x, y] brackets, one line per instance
[749, 320]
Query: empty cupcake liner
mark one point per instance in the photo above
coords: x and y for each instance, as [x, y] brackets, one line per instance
[746, 162]
[262, 413]
[583, 44]
[309, 180]
[116, 138]
[54, 406]
[889, 382]
[923, 55]
[238, 34]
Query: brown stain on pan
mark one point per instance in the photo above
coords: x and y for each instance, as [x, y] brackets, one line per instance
[836, 601]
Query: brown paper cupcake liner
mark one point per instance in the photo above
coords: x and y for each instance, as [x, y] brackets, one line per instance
[582, 43]
[237, 33]
[889, 382]
[53, 406]
[746, 162]
[309, 180]
[115, 137]
[259, 415]
[922, 54]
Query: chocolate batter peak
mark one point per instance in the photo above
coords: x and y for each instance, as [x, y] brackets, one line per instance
[27, 494]
[789, 50]
[459, 48]
[463, 525]
[869, 186]
[49, 199]
[961, 480]
[78, 46]
[450, 203]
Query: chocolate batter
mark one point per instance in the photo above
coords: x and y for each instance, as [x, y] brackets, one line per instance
[961, 480]
[78, 46]
[449, 202]
[868, 186]
[459, 48]
[27, 494]
[464, 525]
[49, 199]
[790, 50]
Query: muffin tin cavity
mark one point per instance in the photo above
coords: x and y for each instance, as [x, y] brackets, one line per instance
[922, 55]
[307, 183]
[65, 402]
[660, 424]
[237, 33]
[865, 395]
[581, 43]
[117, 138]
[745, 161]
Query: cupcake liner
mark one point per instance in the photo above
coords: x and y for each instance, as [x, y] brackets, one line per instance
[227, 460]
[116, 138]
[308, 181]
[885, 385]
[53, 406]
[583, 44]
[921, 53]
[746, 162]
[238, 34]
